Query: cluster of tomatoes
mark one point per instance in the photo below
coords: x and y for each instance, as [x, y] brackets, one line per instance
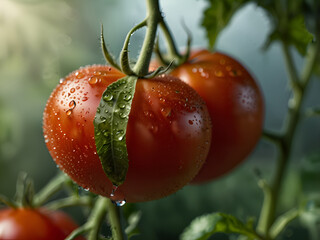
[191, 125]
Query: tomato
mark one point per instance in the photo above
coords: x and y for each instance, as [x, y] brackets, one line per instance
[35, 224]
[168, 134]
[235, 104]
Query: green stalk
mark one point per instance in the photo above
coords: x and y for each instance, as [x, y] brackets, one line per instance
[115, 221]
[284, 142]
[55, 185]
[96, 218]
[153, 18]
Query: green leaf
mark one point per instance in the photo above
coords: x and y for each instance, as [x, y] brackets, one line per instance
[297, 35]
[288, 23]
[205, 226]
[110, 125]
[218, 15]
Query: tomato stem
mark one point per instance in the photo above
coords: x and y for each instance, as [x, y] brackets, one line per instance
[173, 56]
[115, 221]
[124, 55]
[153, 18]
[55, 185]
[96, 217]
[70, 202]
[102, 206]
[284, 142]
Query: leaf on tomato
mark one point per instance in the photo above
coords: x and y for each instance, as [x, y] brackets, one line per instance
[110, 126]
[217, 16]
[205, 226]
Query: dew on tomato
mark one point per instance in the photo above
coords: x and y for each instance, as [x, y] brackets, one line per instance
[165, 151]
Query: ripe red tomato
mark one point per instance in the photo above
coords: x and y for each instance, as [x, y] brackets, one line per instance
[235, 104]
[168, 134]
[35, 224]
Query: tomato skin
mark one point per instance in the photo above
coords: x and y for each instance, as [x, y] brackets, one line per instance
[235, 104]
[35, 224]
[168, 134]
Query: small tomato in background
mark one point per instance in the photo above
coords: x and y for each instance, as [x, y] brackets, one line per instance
[36, 224]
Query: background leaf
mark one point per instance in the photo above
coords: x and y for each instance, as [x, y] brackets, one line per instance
[217, 16]
[287, 18]
[205, 226]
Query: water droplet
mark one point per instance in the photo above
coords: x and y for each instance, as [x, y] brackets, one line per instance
[72, 104]
[235, 73]
[61, 80]
[222, 61]
[123, 115]
[190, 122]
[127, 97]
[84, 99]
[194, 70]
[69, 112]
[120, 135]
[93, 80]
[218, 73]
[72, 90]
[165, 111]
[79, 75]
[97, 73]
[114, 189]
[108, 97]
[121, 105]
[120, 203]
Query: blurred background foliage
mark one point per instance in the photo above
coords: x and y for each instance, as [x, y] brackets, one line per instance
[41, 41]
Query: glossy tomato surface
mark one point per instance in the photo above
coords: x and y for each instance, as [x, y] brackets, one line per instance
[168, 134]
[35, 224]
[235, 104]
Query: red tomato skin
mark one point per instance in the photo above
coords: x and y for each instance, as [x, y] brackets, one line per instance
[168, 134]
[35, 224]
[235, 104]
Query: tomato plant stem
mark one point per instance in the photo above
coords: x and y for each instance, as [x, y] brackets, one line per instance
[70, 201]
[115, 221]
[285, 141]
[153, 18]
[103, 206]
[97, 216]
[172, 49]
[50, 189]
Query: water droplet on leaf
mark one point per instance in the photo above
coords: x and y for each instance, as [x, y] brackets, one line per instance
[108, 97]
[127, 97]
